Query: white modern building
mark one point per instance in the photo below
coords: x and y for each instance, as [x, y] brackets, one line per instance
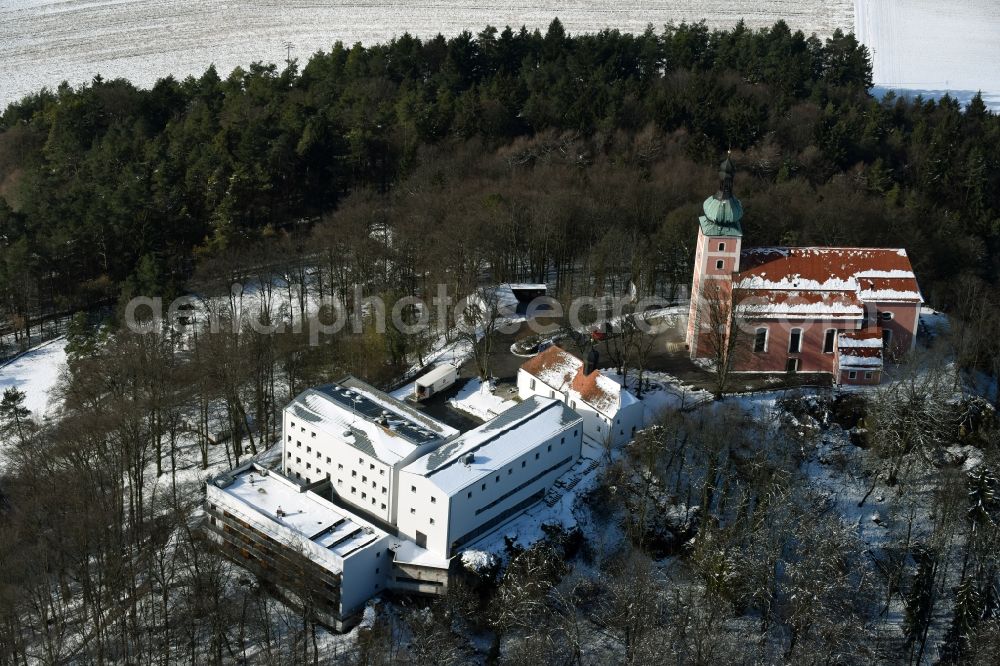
[474, 483]
[404, 492]
[358, 438]
[299, 541]
[611, 414]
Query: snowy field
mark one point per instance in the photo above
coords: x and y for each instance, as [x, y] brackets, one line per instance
[43, 42]
[35, 373]
[929, 47]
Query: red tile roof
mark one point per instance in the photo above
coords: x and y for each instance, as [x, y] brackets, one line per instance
[828, 281]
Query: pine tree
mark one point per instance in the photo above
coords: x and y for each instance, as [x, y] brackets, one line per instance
[13, 413]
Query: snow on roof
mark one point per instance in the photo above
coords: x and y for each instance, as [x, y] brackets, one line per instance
[874, 274]
[562, 371]
[861, 348]
[304, 514]
[494, 444]
[528, 287]
[368, 419]
[408, 552]
[866, 338]
[848, 362]
[767, 303]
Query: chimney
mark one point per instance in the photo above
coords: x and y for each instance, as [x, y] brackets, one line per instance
[591, 363]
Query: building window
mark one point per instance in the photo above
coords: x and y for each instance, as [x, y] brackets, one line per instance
[384, 491]
[308, 465]
[413, 489]
[484, 486]
[308, 480]
[289, 438]
[364, 479]
[354, 472]
[309, 449]
[354, 491]
[328, 461]
[434, 500]
[852, 375]
[432, 521]
[831, 335]
[298, 444]
[885, 316]
[298, 476]
[383, 507]
[531, 384]
[722, 247]
[413, 510]
[552, 394]
[372, 466]
[340, 466]
[320, 457]
[795, 341]
[361, 461]
[549, 448]
[523, 463]
[470, 494]
[760, 340]
[313, 435]
[289, 454]
[868, 374]
[536, 455]
[886, 337]
[509, 471]
[302, 429]
[719, 264]
[298, 461]
[340, 482]
[381, 472]
[498, 478]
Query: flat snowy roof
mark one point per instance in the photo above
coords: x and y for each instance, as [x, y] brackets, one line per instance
[494, 444]
[368, 419]
[279, 501]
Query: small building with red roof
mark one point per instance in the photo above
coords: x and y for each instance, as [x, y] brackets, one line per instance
[839, 310]
[611, 414]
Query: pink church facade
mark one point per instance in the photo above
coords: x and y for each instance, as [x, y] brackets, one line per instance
[841, 311]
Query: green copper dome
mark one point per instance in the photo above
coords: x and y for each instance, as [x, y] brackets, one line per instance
[723, 211]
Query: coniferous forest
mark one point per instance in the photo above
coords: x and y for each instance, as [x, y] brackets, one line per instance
[716, 536]
[107, 185]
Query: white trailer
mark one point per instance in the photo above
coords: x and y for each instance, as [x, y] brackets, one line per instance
[434, 381]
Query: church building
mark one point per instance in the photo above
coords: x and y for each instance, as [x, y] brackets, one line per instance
[837, 310]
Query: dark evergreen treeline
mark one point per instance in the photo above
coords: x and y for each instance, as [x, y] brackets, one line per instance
[109, 185]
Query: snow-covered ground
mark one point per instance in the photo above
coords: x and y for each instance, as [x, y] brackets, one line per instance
[477, 399]
[928, 47]
[44, 42]
[35, 372]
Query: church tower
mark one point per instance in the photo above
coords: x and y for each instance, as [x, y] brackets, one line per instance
[717, 256]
